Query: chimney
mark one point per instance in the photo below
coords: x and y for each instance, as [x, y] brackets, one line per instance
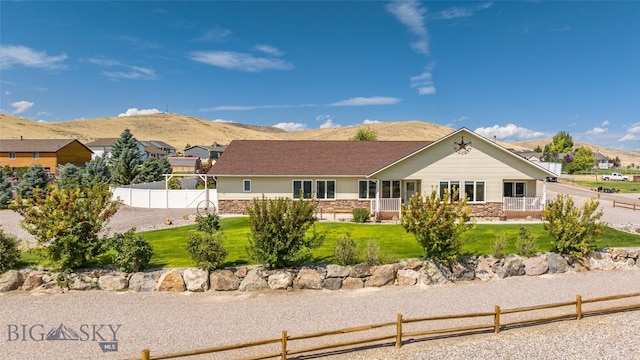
[20, 137]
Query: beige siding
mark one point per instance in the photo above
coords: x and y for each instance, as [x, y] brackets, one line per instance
[230, 188]
[484, 162]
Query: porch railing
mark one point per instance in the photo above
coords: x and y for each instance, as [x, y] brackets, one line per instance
[535, 203]
[386, 205]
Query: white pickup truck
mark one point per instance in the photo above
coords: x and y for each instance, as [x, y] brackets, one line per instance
[615, 177]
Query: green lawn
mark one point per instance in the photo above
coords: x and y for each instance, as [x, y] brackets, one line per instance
[395, 244]
[624, 186]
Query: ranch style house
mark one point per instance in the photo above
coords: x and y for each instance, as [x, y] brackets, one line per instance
[52, 154]
[380, 175]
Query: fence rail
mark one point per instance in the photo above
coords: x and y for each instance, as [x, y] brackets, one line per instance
[626, 205]
[533, 203]
[497, 323]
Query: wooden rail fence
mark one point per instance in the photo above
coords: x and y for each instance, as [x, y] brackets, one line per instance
[626, 205]
[496, 324]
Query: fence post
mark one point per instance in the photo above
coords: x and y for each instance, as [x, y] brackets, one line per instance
[284, 344]
[399, 331]
[496, 320]
[614, 202]
[578, 307]
[145, 354]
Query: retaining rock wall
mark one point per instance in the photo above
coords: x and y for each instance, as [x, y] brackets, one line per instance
[332, 277]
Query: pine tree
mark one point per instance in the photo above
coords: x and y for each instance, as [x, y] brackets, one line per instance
[126, 141]
[165, 166]
[125, 159]
[149, 171]
[97, 170]
[70, 176]
[5, 191]
[35, 177]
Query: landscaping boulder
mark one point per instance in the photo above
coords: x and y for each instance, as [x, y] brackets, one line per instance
[81, 282]
[618, 254]
[407, 277]
[351, 283]
[536, 266]
[512, 266]
[308, 279]
[360, 271]
[484, 267]
[11, 280]
[253, 281]
[332, 283]
[196, 280]
[171, 281]
[557, 264]
[601, 261]
[224, 280]
[334, 271]
[142, 282]
[383, 275]
[33, 280]
[412, 264]
[463, 270]
[280, 280]
[434, 273]
[113, 282]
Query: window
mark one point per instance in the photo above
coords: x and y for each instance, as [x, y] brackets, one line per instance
[325, 189]
[246, 185]
[367, 189]
[474, 191]
[12, 155]
[452, 186]
[302, 187]
[390, 189]
[514, 189]
[35, 155]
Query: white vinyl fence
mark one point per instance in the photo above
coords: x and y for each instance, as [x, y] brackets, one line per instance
[164, 199]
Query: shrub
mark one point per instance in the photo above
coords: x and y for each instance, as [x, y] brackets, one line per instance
[498, 245]
[526, 242]
[437, 223]
[207, 249]
[360, 215]
[6, 192]
[346, 250]
[9, 252]
[209, 223]
[279, 227]
[373, 253]
[572, 228]
[132, 252]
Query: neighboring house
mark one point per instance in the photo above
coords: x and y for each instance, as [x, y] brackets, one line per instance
[602, 162]
[531, 155]
[102, 147]
[158, 149]
[380, 175]
[204, 152]
[50, 153]
[189, 165]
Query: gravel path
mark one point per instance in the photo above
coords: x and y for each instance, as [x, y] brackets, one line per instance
[166, 322]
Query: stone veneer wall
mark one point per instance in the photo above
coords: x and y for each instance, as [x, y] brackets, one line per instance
[327, 206]
[486, 209]
[317, 277]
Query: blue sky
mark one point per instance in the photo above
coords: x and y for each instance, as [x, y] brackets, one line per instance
[516, 70]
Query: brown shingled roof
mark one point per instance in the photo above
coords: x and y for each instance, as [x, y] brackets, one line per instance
[31, 145]
[311, 157]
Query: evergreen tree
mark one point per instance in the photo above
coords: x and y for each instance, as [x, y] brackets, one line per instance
[5, 191]
[70, 176]
[538, 149]
[125, 169]
[165, 167]
[126, 141]
[97, 170]
[149, 171]
[35, 177]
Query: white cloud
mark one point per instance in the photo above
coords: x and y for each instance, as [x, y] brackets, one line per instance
[508, 131]
[290, 126]
[365, 101]
[7, 92]
[269, 50]
[21, 106]
[424, 83]
[239, 61]
[633, 133]
[131, 72]
[459, 12]
[597, 131]
[45, 113]
[605, 123]
[135, 111]
[368, 121]
[216, 34]
[224, 121]
[329, 124]
[411, 14]
[461, 118]
[21, 55]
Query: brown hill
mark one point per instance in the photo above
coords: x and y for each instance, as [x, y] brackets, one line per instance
[627, 157]
[180, 130]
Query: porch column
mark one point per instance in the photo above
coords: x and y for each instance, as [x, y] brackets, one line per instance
[544, 194]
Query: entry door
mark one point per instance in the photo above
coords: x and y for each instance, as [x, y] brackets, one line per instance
[409, 190]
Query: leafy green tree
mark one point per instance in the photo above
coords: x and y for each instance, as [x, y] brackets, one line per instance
[538, 149]
[438, 223]
[34, 178]
[125, 159]
[97, 170]
[365, 133]
[279, 227]
[67, 221]
[132, 251]
[149, 171]
[572, 228]
[561, 142]
[6, 193]
[9, 251]
[125, 170]
[583, 159]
